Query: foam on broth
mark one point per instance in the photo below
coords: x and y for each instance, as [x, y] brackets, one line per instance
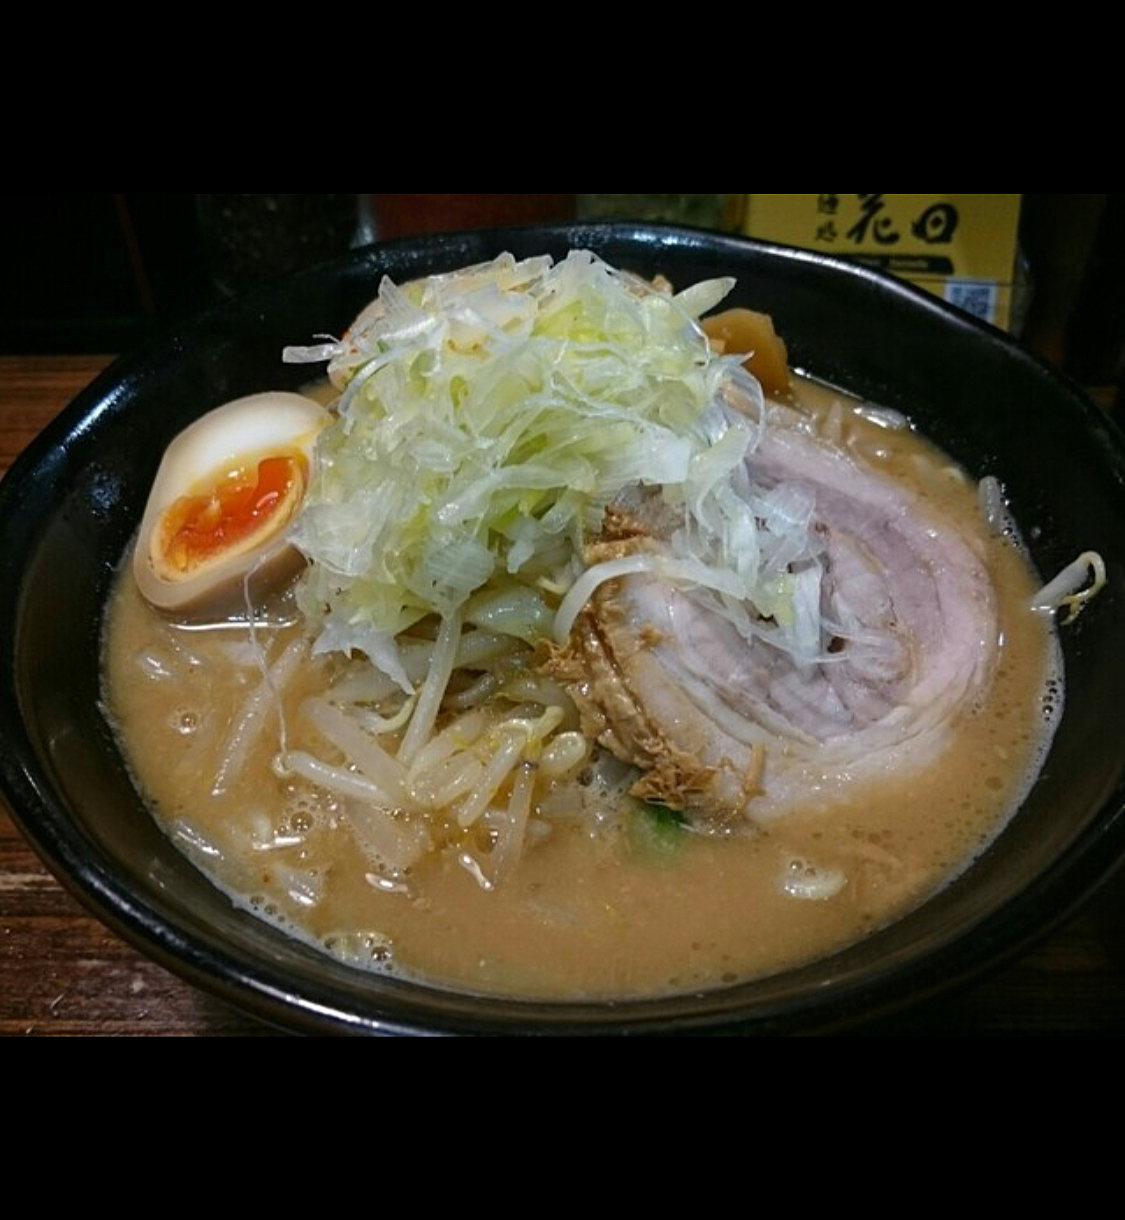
[603, 904]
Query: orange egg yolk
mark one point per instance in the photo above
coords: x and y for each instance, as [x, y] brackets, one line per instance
[201, 528]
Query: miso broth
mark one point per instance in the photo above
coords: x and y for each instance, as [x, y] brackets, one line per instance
[610, 899]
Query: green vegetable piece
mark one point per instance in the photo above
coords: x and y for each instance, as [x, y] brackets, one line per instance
[656, 832]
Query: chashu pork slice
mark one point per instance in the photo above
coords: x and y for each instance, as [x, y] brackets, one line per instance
[724, 728]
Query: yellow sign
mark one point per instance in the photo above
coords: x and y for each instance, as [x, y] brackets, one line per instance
[960, 247]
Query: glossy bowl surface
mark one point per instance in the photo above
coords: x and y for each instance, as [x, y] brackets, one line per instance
[70, 505]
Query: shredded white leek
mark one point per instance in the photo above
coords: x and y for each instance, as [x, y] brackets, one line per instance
[489, 417]
[588, 583]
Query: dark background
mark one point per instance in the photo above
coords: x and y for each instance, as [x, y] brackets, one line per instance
[103, 272]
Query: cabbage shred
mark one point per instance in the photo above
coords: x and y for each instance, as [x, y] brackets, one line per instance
[488, 417]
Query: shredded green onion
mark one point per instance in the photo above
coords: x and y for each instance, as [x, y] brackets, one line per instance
[489, 417]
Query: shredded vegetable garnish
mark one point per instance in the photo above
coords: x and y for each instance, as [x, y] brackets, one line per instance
[1066, 589]
[488, 418]
[991, 496]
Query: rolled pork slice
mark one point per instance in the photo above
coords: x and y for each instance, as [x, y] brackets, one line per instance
[726, 729]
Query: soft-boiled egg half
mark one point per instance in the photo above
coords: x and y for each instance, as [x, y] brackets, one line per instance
[225, 495]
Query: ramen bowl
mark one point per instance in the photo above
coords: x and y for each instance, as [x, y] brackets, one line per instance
[71, 504]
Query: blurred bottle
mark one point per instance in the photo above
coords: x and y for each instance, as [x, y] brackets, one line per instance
[705, 211]
[406, 215]
[249, 239]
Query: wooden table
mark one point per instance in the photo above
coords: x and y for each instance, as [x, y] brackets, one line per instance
[61, 972]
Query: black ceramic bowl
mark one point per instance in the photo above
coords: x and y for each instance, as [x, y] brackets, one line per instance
[69, 506]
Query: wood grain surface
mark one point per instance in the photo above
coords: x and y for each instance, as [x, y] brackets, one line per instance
[63, 973]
